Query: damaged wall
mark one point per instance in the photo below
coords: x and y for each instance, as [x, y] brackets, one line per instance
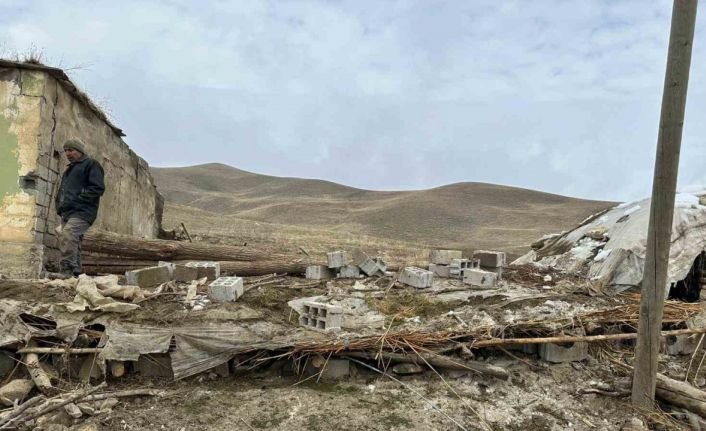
[39, 110]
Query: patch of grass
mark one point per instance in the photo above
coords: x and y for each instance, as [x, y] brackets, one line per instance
[269, 419]
[318, 422]
[394, 420]
[407, 304]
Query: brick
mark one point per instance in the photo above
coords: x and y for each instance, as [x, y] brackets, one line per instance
[155, 365]
[443, 257]
[185, 274]
[349, 271]
[320, 316]
[439, 269]
[226, 289]
[416, 277]
[210, 270]
[319, 272]
[480, 278]
[337, 259]
[373, 267]
[490, 259]
[560, 353]
[148, 277]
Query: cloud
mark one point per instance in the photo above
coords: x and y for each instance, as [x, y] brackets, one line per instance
[553, 95]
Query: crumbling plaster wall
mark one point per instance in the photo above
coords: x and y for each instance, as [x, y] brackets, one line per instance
[37, 115]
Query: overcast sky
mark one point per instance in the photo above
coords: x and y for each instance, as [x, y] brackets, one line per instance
[559, 96]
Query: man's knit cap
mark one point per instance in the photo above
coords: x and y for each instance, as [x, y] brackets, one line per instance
[75, 144]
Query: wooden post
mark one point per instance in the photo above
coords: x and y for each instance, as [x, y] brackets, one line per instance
[664, 184]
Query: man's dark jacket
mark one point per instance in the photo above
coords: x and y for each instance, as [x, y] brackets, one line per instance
[80, 191]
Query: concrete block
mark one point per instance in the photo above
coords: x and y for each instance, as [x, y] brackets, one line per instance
[480, 278]
[439, 270]
[335, 369]
[416, 277]
[169, 266]
[443, 257]
[497, 271]
[559, 353]
[679, 344]
[358, 257]
[529, 349]
[319, 272]
[185, 274]
[349, 271]
[226, 289]
[373, 267]
[148, 277]
[155, 365]
[337, 259]
[210, 270]
[320, 316]
[490, 259]
[457, 267]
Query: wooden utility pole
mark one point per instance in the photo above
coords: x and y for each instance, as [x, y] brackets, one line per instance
[664, 186]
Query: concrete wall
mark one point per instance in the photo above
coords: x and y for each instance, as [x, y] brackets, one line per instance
[38, 113]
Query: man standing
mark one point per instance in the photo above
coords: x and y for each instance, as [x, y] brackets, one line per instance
[77, 203]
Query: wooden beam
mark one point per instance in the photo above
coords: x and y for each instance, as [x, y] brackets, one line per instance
[664, 184]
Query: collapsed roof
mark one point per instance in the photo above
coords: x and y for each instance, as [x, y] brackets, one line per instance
[609, 247]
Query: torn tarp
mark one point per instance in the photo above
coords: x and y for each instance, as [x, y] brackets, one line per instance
[88, 296]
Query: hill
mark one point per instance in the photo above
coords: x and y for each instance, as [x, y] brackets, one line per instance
[461, 215]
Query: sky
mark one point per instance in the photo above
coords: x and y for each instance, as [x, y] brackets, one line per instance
[558, 96]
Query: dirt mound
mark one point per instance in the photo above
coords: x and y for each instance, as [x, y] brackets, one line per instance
[462, 215]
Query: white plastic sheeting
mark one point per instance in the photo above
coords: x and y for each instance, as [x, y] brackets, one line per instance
[610, 246]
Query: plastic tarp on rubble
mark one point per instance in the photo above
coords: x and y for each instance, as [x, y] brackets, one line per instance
[610, 245]
[197, 348]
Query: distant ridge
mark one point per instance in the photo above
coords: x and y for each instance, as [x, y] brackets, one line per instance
[464, 215]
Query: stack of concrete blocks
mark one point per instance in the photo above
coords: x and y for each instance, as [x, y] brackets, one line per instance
[148, 277]
[493, 261]
[458, 267]
[210, 270]
[226, 289]
[441, 261]
[416, 277]
[320, 316]
[561, 353]
[343, 264]
[180, 272]
[480, 278]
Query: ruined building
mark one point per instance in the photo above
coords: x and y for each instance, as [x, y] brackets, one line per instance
[40, 108]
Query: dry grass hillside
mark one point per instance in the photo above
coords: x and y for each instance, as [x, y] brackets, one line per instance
[462, 215]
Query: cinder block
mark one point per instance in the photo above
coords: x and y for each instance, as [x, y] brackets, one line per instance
[444, 257]
[497, 271]
[480, 278]
[439, 269]
[373, 267]
[679, 344]
[185, 274]
[226, 289]
[349, 271]
[459, 266]
[155, 365]
[490, 259]
[320, 316]
[416, 277]
[559, 353]
[210, 270]
[333, 369]
[148, 277]
[319, 272]
[169, 266]
[337, 259]
[358, 257]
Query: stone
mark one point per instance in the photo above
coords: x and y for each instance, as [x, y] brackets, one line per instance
[15, 391]
[480, 278]
[406, 369]
[73, 410]
[440, 270]
[319, 272]
[185, 274]
[148, 277]
[208, 269]
[226, 289]
[490, 259]
[560, 353]
[416, 277]
[349, 271]
[155, 365]
[443, 257]
[320, 316]
[337, 259]
[373, 267]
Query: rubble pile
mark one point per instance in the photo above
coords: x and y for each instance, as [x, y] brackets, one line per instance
[344, 264]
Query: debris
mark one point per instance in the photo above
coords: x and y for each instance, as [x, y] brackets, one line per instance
[319, 272]
[226, 289]
[490, 259]
[374, 266]
[39, 376]
[210, 270]
[331, 369]
[148, 277]
[407, 368]
[321, 316]
[480, 278]
[458, 267]
[349, 271]
[15, 391]
[416, 277]
[558, 353]
[444, 257]
[89, 297]
[440, 270]
[337, 259]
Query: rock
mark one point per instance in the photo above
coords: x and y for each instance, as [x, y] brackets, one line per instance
[15, 391]
[407, 369]
[634, 424]
[73, 410]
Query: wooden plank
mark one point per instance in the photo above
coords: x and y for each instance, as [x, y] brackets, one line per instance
[662, 207]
